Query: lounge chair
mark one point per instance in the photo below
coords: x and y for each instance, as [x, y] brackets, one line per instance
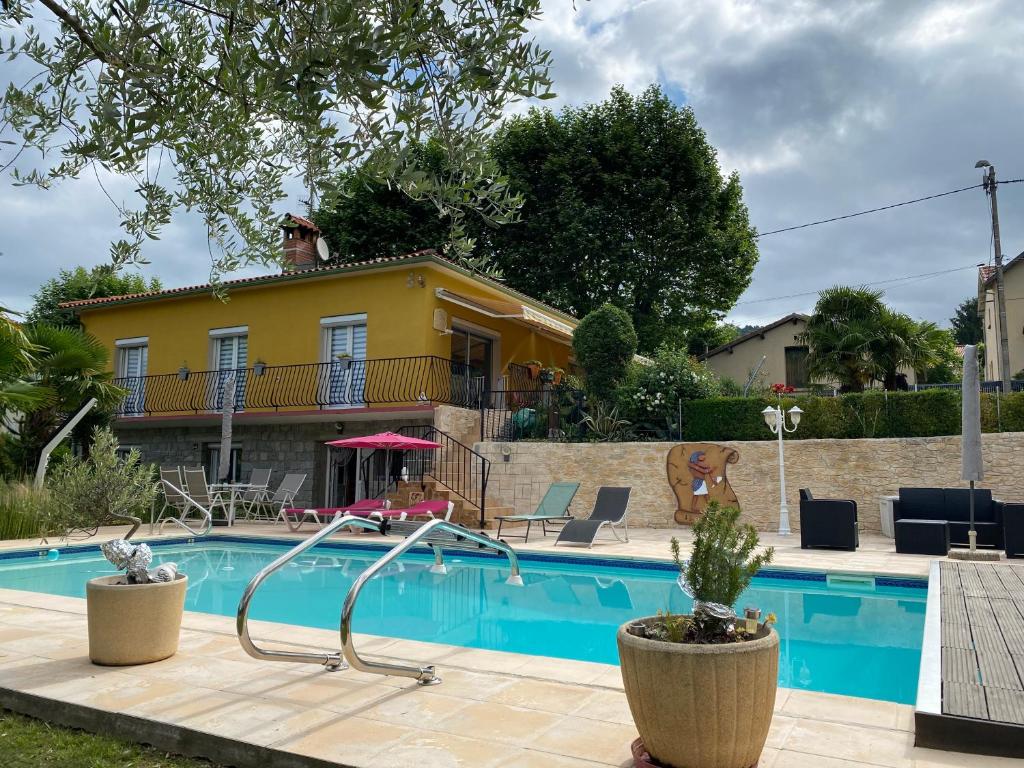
[285, 494]
[432, 509]
[321, 515]
[553, 507]
[610, 508]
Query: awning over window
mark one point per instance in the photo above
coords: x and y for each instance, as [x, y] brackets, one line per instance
[510, 310]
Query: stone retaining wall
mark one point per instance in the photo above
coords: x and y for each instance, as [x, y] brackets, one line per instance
[863, 470]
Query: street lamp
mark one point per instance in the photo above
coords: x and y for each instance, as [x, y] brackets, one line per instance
[775, 418]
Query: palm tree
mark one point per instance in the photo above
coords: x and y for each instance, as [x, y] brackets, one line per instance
[840, 334]
[70, 366]
[902, 342]
[18, 394]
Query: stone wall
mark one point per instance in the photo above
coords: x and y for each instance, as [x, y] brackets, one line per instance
[462, 424]
[294, 447]
[862, 470]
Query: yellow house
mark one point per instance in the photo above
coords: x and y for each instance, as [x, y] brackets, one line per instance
[318, 351]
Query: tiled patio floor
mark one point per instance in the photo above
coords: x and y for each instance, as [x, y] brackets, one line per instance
[493, 709]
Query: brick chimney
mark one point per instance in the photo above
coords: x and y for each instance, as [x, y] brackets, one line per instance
[300, 235]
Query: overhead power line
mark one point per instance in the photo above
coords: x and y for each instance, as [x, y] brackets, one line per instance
[870, 210]
[882, 208]
[921, 276]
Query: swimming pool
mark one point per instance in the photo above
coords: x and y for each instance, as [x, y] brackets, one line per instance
[853, 639]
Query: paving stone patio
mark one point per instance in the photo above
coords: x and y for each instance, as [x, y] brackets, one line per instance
[492, 710]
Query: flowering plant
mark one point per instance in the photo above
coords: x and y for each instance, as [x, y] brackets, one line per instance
[782, 389]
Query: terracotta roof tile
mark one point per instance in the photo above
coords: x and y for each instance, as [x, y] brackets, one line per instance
[244, 281]
[302, 221]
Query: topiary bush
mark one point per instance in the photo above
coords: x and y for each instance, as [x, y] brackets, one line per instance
[605, 343]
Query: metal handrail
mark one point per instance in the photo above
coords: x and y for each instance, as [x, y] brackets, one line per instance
[423, 675]
[207, 515]
[331, 661]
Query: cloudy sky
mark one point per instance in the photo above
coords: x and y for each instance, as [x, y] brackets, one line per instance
[824, 108]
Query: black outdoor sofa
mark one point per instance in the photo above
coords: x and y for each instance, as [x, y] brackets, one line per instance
[928, 521]
[828, 523]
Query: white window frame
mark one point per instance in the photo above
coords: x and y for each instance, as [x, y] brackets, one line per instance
[327, 326]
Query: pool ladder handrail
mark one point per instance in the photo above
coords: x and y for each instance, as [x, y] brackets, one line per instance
[425, 675]
[331, 661]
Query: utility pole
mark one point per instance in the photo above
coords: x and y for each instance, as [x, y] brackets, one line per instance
[989, 183]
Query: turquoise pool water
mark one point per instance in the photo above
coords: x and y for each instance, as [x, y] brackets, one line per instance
[852, 640]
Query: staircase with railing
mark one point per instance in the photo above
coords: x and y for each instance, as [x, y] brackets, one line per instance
[455, 472]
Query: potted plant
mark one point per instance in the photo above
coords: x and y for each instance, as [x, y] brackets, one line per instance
[344, 359]
[701, 686]
[133, 618]
[532, 368]
[556, 375]
[259, 368]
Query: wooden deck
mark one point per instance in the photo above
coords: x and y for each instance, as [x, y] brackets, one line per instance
[981, 674]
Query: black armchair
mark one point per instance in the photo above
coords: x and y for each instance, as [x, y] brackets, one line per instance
[828, 522]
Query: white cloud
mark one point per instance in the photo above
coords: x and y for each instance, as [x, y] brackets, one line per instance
[823, 107]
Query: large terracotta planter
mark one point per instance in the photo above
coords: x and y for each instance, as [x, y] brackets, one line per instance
[701, 706]
[133, 623]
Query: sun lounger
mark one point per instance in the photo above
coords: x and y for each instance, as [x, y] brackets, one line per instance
[320, 515]
[554, 507]
[431, 509]
[610, 508]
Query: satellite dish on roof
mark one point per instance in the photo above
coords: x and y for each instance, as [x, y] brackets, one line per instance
[322, 250]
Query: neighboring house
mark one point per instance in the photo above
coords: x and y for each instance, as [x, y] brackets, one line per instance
[785, 356]
[317, 351]
[779, 343]
[1013, 285]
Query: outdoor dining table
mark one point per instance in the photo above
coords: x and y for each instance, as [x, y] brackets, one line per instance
[234, 492]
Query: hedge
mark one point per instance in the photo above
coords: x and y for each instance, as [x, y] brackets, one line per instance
[926, 413]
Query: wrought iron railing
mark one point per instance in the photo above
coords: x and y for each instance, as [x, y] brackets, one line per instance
[532, 414]
[338, 384]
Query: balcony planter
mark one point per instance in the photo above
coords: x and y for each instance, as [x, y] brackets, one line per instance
[183, 373]
[556, 376]
[133, 623]
[700, 706]
[259, 368]
[344, 361]
[533, 368]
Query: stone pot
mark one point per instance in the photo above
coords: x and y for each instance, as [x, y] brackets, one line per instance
[701, 706]
[133, 623]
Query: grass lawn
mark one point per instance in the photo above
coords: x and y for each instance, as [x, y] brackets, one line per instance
[29, 743]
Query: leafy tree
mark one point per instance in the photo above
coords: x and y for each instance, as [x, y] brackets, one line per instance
[18, 393]
[701, 340]
[967, 323]
[623, 202]
[604, 343]
[948, 365]
[213, 105]
[81, 283]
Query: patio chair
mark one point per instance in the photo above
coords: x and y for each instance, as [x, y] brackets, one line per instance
[828, 523]
[553, 507]
[254, 499]
[610, 508]
[285, 494]
[200, 493]
[174, 499]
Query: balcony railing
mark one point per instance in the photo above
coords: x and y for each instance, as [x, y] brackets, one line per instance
[392, 381]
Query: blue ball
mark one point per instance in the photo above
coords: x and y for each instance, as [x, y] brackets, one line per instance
[53, 554]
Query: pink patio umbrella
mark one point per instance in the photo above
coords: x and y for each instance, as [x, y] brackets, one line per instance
[387, 442]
